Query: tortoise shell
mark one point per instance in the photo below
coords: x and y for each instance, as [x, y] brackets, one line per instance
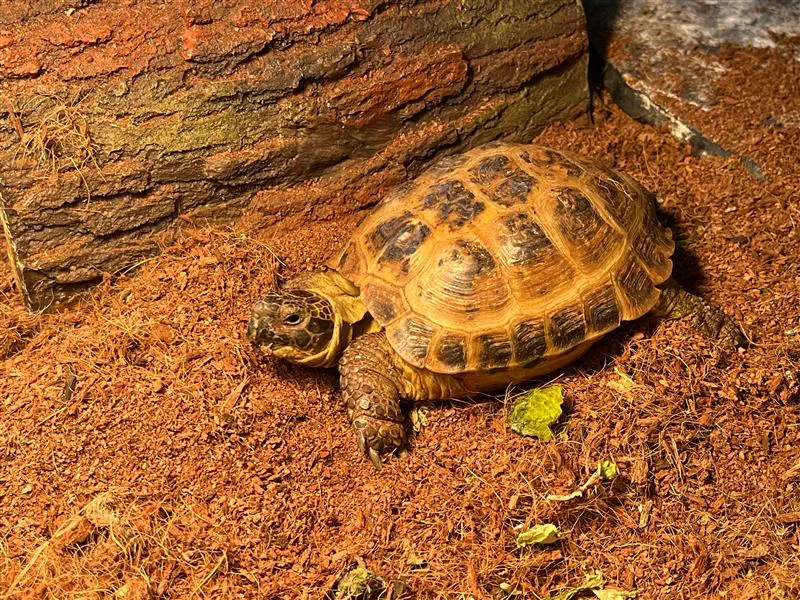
[507, 256]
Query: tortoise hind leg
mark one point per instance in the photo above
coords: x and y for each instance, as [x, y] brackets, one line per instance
[371, 392]
[675, 303]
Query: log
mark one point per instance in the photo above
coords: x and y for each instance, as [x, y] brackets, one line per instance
[120, 118]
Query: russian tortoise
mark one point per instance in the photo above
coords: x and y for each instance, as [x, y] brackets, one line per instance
[494, 266]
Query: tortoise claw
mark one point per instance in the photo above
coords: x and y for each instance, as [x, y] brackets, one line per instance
[373, 455]
[362, 442]
[375, 458]
[372, 440]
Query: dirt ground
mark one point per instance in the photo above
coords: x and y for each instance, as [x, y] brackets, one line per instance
[146, 451]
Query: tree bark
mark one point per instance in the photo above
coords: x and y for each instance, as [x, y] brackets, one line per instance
[118, 117]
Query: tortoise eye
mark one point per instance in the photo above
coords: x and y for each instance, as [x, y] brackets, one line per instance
[292, 319]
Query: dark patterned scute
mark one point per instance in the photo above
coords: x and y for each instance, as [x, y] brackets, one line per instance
[453, 351]
[649, 253]
[552, 160]
[382, 310]
[399, 237]
[406, 242]
[572, 169]
[529, 341]
[491, 168]
[414, 337]
[577, 219]
[590, 238]
[655, 233]
[514, 190]
[636, 286]
[616, 201]
[601, 310]
[388, 230]
[494, 350]
[383, 302]
[454, 204]
[567, 328]
[459, 280]
[523, 239]
[475, 258]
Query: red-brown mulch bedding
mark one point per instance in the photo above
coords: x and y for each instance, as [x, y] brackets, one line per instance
[235, 477]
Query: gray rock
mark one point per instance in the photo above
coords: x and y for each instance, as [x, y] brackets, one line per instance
[661, 55]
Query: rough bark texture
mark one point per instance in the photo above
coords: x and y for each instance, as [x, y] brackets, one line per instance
[118, 117]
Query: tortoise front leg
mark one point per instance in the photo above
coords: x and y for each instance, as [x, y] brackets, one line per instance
[371, 385]
[675, 303]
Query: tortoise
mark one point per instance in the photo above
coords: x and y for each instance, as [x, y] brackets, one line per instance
[493, 267]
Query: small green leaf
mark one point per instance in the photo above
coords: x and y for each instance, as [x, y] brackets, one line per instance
[594, 579]
[419, 417]
[546, 533]
[607, 469]
[533, 413]
[567, 594]
[595, 583]
[359, 584]
[591, 580]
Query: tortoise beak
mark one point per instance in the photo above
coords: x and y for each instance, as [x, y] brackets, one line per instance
[252, 330]
[256, 331]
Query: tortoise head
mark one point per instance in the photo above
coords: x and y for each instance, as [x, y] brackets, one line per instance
[293, 324]
[309, 320]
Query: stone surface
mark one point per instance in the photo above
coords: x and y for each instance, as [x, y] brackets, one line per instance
[119, 118]
[662, 55]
